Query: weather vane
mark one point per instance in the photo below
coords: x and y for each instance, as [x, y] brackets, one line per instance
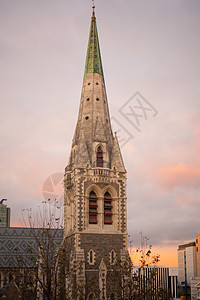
[93, 6]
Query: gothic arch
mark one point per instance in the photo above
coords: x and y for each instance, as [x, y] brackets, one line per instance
[96, 189]
[99, 145]
[91, 296]
[91, 257]
[112, 296]
[110, 190]
[112, 257]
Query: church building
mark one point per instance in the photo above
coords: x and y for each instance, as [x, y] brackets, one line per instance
[95, 210]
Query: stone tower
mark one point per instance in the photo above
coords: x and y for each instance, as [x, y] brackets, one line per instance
[95, 230]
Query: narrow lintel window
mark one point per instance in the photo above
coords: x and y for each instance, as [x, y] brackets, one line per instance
[99, 157]
[112, 257]
[92, 208]
[107, 209]
[91, 256]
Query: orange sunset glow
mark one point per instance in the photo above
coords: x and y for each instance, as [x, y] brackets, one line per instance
[148, 48]
[168, 257]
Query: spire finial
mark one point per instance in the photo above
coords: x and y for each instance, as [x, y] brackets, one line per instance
[93, 7]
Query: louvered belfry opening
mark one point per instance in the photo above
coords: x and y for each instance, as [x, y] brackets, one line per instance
[107, 208]
[92, 208]
[99, 157]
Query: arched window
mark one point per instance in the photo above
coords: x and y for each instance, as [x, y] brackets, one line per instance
[91, 296]
[91, 256]
[99, 157]
[112, 257]
[112, 297]
[107, 208]
[92, 208]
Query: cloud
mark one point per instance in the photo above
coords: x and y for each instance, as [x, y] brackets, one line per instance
[180, 174]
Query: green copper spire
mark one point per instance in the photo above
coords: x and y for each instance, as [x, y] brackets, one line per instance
[93, 59]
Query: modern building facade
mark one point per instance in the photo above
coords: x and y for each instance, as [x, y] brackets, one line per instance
[189, 269]
[95, 229]
[156, 281]
[186, 262]
[198, 253]
[195, 281]
[4, 214]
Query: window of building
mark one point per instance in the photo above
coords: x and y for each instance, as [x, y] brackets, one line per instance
[99, 157]
[10, 277]
[112, 257]
[91, 257]
[91, 296]
[107, 208]
[112, 297]
[1, 280]
[92, 208]
[17, 280]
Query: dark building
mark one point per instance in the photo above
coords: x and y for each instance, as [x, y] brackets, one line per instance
[19, 254]
[4, 214]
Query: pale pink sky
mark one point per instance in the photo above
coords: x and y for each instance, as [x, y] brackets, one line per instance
[147, 46]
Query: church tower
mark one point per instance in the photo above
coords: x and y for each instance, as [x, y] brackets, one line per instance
[95, 219]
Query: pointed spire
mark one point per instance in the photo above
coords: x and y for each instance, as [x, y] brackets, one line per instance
[82, 157]
[99, 134]
[93, 58]
[117, 160]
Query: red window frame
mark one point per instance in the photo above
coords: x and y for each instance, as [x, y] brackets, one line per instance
[99, 157]
[107, 209]
[92, 208]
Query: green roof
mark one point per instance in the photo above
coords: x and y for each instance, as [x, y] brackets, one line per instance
[93, 60]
